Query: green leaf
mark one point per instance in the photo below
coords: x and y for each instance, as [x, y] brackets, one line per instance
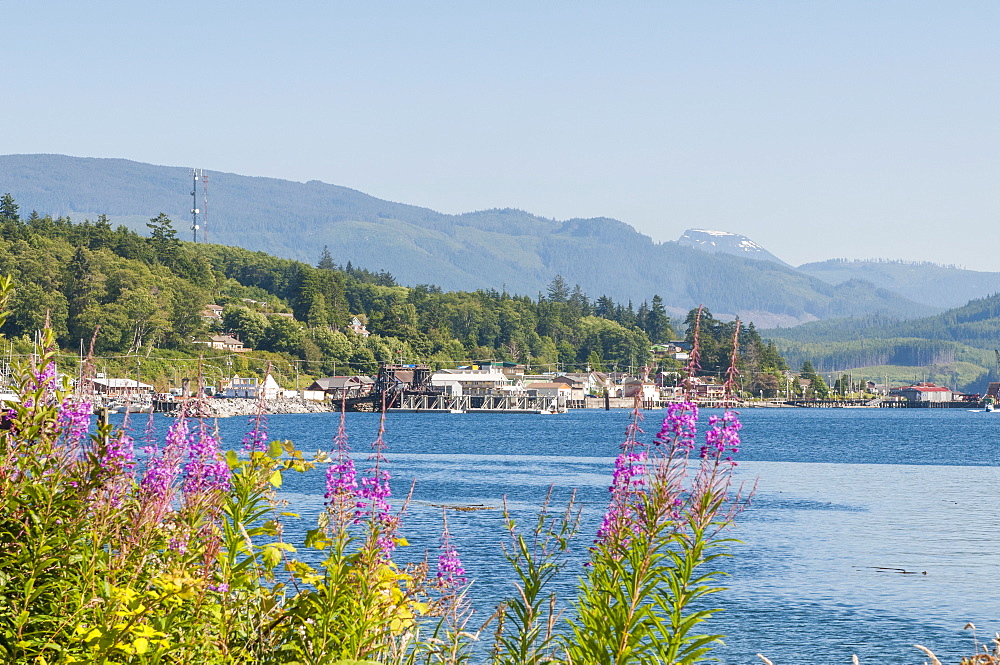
[274, 449]
[275, 479]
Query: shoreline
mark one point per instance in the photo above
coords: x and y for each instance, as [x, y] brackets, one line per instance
[233, 407]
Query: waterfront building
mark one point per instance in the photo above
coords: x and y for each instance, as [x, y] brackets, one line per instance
[924, 392]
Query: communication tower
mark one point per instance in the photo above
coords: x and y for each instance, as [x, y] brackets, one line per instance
[196, 176]
[204, 206]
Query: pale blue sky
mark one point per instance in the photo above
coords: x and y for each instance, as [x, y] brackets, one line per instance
[819, 129]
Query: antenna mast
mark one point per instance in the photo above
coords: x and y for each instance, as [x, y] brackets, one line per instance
[196, 175]
[204, 206]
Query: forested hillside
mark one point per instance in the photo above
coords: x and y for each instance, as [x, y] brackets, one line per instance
[927, 283]
[143, 296]
[959, 342]
[508, 250]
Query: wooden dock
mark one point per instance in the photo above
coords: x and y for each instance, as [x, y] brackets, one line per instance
[516, 404]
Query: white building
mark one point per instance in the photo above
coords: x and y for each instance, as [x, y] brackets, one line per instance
[459, 382]
[251, 388]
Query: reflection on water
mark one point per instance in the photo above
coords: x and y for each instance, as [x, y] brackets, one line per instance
[844, 500]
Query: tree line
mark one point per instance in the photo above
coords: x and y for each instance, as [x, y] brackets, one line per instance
[134, 293]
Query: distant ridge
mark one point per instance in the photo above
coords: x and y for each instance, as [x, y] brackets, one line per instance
[491, 249]
[928, 283]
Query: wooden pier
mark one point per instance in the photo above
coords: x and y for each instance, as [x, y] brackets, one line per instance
[877, 403]
[476, 404]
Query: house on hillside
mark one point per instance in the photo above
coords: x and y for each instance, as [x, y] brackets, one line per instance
[357, 327]
[876, 388]
[212, 314]
[558, 391]
[512, 371]
[577, 388]
[225, 343]
[705, 388]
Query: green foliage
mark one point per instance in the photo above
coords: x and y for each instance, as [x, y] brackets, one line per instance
[817, 387]
[526, 622]
[187, 562]
[760, 364]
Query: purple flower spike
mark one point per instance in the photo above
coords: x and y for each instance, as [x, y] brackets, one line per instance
[373, 494]
[680, 426]
[255, 440]
[44, 378]
[163, 467]
[74, 419]
[450, 572]
[119, 456]
[627, 483]
[723, 435]
[206, 471]
[341, 481]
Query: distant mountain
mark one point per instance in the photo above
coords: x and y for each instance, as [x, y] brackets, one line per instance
[928, 283]
[491, 249]
[723, 242]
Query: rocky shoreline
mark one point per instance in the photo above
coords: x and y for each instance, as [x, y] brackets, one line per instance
[227, 408]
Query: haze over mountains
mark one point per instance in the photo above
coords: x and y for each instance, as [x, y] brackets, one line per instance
[490, 249]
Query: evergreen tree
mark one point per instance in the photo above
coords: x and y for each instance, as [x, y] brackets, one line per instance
[558, 290]
[605, 308]
[8, 209]
[163, 239]
[82, 296]
[579, 302]
[325, 260]
[658, 323]
[642, 316]
[817, 386]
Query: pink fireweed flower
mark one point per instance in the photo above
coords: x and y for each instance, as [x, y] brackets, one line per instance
[116, 461]
[149, 434]
[74, 419]
[341, 478]
[341, 481]
[450, 572]
[205, 471]
[119, 455]
[632, 430]
[627, 484]
[373, 493]
[723, 436]
[679, 427]
[255, 440]
[162, 469]
[43, 378]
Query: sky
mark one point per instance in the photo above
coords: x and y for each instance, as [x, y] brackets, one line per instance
[847, 129]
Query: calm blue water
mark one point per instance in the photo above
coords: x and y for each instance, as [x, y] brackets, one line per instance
[840, 493]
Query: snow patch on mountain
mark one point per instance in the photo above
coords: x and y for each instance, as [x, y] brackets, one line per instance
[724, 242]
